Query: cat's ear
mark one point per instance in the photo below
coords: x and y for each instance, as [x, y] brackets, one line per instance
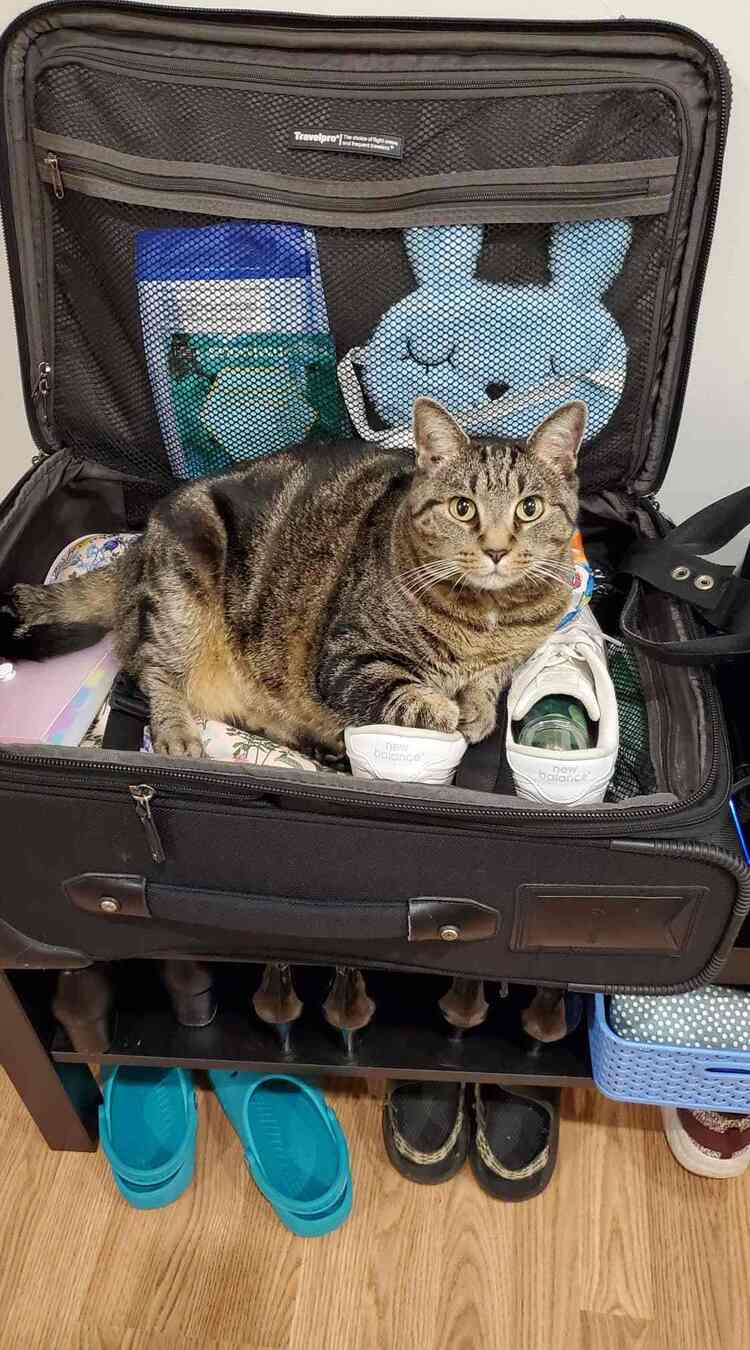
[557, 439]
[438, 438]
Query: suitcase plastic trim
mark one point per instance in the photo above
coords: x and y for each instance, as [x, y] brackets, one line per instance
[659, 1075]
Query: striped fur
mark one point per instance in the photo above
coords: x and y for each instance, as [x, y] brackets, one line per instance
[327, 586]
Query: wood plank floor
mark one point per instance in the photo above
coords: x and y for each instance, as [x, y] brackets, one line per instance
[625, 1251]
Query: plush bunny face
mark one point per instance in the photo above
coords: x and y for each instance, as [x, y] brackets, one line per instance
[501, 357]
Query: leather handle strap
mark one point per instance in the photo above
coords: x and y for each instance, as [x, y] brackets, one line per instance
[423, 918]
[678, 566]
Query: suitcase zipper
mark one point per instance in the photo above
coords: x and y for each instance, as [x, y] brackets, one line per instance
[53, 164]
[40, 392]
[92, 772]
[143, 794]
[426, 82]
[85, 173]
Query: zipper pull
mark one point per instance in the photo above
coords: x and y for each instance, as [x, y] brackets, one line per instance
[40, 392]
[41, 388]
[142, 796]
[53, 164]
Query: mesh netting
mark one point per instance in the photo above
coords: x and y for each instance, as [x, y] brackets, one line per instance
[634, 774]
[184, 345]
[251, 128]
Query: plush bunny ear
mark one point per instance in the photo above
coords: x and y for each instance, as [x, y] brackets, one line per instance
[586, 255]
[557, 439]
[438, 438]
[443, 254]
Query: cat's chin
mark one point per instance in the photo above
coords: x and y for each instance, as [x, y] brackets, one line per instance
[492, 581]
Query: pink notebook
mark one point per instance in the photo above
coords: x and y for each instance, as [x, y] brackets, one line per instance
[55, 701]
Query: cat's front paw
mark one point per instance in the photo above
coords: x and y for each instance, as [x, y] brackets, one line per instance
[478, 729]
[478, 717]
[178, 742]
[427, 709]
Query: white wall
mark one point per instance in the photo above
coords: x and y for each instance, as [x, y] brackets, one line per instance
[711, 455]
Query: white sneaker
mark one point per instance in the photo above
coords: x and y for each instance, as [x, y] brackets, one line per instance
[404, 754]
[571, 662]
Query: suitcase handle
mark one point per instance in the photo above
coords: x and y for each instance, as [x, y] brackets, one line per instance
[423, 918]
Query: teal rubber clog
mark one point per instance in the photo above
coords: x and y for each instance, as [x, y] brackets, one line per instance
[147, 1126]
[312, 1225]
[294, 1147]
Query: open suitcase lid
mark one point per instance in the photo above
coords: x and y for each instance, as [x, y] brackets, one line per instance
[555, 185]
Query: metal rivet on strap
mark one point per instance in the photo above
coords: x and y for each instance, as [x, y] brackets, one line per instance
[450, 933]
[680, 573]
[109, 904]
[704, 582]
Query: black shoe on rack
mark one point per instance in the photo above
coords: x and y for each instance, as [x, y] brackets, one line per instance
[426, 1130]
[84, 1005]
[515, 1139]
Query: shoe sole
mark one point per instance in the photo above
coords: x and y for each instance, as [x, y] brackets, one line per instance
[692, 1158]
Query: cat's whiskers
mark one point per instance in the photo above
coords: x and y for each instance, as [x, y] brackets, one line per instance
[540, 568]
[415, 575]
[404, 582]
[565, 570]
[431, 584]
[423, 567]
[460, 581]
[546, 571]
[432, 574]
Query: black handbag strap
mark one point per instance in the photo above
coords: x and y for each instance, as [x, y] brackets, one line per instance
[678, 566]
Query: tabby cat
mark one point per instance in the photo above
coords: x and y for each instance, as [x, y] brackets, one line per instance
[321, 587]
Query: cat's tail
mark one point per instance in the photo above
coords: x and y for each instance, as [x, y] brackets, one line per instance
[41, 621]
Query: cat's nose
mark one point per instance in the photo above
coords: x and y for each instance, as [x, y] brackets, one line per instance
[496, 554]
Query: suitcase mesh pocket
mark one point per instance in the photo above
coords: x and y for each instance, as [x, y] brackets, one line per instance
[184, 345]
[634, 774]
[252, 127]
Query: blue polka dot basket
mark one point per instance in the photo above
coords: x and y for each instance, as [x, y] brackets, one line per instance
[697, 1077]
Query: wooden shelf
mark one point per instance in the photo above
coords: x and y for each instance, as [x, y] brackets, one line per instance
[406, 1039]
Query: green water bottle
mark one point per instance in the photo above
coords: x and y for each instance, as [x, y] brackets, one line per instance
[556, 723]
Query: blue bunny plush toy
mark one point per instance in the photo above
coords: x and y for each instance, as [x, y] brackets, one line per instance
[499, 357]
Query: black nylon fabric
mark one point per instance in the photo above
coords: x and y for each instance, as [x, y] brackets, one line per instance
[267, 850]
[252, 128]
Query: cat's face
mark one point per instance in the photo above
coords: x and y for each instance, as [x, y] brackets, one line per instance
[488, 513]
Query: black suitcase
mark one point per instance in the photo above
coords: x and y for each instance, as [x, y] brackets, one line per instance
[120, 119]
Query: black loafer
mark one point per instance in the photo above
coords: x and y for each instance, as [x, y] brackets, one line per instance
[515, 1139]
[426, 1130]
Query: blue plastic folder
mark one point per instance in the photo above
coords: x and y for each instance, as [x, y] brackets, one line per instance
[236, 338]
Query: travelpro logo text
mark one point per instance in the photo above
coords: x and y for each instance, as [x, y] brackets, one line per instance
[349, 142]
[318, 137]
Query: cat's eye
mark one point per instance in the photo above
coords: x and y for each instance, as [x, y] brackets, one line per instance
[530, 508]
[462, 508]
